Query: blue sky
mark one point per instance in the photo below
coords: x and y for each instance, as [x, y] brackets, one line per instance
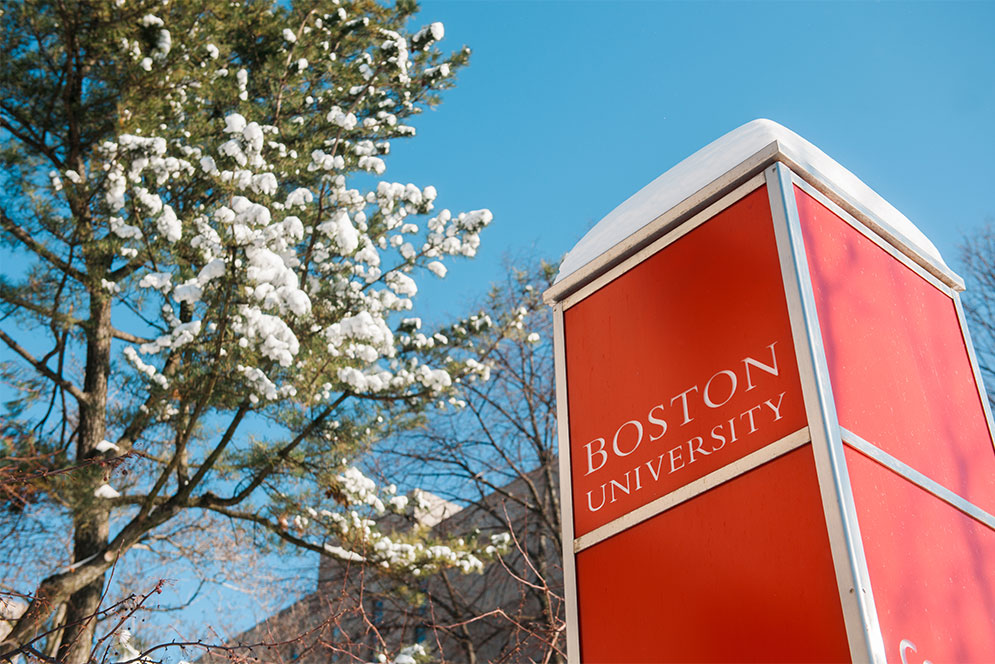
[567, 108]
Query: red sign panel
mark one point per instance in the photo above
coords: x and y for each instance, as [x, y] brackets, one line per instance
[930, 566]
[741, 573]
[680, 366]
[900, 371]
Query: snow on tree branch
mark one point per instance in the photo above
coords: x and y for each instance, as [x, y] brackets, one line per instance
[202, 190]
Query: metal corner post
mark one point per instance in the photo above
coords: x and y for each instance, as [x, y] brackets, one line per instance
[566, 492]
[859, 612]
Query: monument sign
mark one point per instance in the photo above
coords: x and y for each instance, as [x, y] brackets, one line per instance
[775, 443]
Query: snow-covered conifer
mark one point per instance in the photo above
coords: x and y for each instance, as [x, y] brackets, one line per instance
[218, 298]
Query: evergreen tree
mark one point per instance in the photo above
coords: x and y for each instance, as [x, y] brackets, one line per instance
[207, 289]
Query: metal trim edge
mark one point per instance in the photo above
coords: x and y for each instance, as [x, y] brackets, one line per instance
[972, 356]
[572, 621]
[663, 241]
[924, 482]
[662, 224]
[872, 235]
[856, 599]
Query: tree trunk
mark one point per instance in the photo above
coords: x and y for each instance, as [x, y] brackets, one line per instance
[91, 522]
[82, 607]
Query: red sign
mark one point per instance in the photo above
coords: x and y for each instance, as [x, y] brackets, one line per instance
[862, 525]
[680, 366]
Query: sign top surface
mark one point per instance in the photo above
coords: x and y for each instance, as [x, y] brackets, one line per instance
[715, 160]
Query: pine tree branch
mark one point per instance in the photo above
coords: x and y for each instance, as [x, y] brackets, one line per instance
[11, 227]
[127, 269]
[65, 320]
[31, 141]
[275, 528]
[211, 501]
[44, 370]
[128, 336]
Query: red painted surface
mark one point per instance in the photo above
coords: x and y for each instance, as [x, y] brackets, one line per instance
[684, 319]
[932, 568]
[741, 573]
[900, 371]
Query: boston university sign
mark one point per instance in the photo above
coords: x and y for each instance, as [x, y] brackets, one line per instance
[678, 458]
[775, 445]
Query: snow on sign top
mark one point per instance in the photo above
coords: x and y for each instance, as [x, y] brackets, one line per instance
[718, 158]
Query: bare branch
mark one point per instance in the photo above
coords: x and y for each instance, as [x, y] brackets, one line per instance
[44, 370]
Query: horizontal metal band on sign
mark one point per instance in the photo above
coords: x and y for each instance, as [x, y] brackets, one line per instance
[726, 183]
[743, 465]
[922, 481]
